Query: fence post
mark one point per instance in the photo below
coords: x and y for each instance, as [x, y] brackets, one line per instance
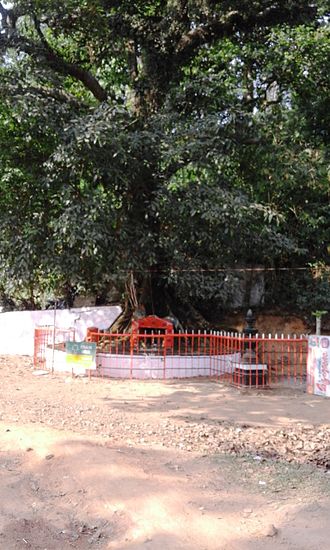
[54, 336]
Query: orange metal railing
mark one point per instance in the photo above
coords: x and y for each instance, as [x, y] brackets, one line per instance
[48, 338]
[258, 361]
[254, 361]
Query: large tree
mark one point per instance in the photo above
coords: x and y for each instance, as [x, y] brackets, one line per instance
[150, 141]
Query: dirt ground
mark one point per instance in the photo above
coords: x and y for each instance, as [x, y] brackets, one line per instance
[146, 465]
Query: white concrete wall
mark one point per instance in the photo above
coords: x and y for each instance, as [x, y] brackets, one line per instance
[145, 367]
[17, 327]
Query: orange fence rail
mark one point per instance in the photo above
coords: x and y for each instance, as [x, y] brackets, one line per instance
[258, 361]
[47, 339]
[226, 356]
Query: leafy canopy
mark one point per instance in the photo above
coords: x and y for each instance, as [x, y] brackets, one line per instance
[170, 138]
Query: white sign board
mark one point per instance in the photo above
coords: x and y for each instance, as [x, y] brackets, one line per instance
[318, 365]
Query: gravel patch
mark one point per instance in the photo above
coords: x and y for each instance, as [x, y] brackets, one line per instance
[64, 403]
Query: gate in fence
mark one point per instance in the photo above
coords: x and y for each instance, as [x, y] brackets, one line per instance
[47, 340]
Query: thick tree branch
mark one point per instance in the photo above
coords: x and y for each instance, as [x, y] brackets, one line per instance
[59, 64]
[85, 77]
[44, 51]
[55, 62]
[239, 21]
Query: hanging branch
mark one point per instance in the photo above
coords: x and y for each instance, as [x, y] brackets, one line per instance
[59, 64]
[10, 38]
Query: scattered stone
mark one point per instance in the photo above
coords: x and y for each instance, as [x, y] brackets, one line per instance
[49, 457]
[94, 538]
[299, 443]
[270, 531]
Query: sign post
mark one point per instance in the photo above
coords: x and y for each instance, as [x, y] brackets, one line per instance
[81, 356]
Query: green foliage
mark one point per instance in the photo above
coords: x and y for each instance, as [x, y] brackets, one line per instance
[173, 138]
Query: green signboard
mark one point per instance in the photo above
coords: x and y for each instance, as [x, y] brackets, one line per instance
[81, 354]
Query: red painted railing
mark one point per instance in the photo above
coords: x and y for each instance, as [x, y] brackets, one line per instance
[49, 338]
[254, 361]
[258, 361]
